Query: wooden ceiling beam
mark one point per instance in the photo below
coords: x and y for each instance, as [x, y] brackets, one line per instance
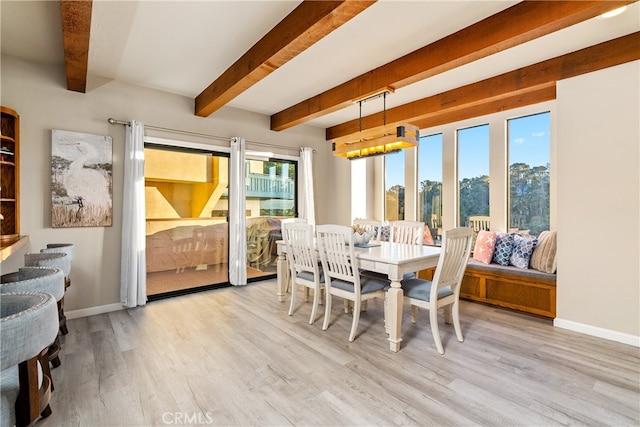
[514, 83]
[518, 24]
[76, 29]
[304, 26]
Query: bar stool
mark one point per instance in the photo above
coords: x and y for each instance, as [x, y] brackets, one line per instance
[27, 326]
[55, 259]
[38, 279]
[67, 248]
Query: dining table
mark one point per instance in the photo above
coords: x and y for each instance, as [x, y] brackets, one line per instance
[392, 259]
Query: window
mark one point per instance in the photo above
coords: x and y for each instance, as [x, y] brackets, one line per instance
[430, 183]
[473, 172]
[394, 186]
[529, 158]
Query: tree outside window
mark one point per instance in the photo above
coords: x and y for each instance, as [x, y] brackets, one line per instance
[529, 157]
[473, 172]
[394, 186]
[430, 183]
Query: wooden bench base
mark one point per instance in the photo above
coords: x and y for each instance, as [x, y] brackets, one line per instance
[522, 293]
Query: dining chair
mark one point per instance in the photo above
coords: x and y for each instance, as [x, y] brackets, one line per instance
[372, 226]
[303, 263]
[444, 289]
[406, 232]
[341, 274]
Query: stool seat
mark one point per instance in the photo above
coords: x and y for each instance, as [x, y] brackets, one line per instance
[39, 279]
[27, 326]
[54, 259]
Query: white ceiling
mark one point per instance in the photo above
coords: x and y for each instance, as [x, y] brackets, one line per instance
[182, 46]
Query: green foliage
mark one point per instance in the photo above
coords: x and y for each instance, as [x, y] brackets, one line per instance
[528, 198]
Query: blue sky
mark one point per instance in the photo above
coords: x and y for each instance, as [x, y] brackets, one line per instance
[529, 141]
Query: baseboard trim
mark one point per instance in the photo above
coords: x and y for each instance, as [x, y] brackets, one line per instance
[91, 311]
[597, 332]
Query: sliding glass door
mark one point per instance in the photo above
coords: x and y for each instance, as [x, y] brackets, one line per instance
[270, 197]
[187, 209]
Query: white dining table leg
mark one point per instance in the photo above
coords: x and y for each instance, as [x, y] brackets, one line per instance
[394, 312]
[282, 270]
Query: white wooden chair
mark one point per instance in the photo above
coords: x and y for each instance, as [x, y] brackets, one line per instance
[444, 290]
[372, 226]
[342, 276]
[477, 223]
[303, 263]
[406, 232]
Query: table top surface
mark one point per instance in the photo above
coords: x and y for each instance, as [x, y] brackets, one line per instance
[388, 252]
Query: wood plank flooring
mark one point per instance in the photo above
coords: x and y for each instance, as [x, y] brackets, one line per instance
[233, 356]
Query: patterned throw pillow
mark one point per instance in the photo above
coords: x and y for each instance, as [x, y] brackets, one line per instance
[485, 246]
[504, 247]
[544, 255]
[522, 249]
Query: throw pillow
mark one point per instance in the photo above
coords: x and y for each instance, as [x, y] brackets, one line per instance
[485, 246]
[544, 255]
[522, 249]
[504, 247]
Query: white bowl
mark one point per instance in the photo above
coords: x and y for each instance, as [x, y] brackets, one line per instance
[361, 239]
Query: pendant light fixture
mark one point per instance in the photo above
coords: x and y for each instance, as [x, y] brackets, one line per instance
[386, 140]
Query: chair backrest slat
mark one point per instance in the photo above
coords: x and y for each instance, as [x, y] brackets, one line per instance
[335, 245]
[406, 232]
[298, 239]
[456, 246]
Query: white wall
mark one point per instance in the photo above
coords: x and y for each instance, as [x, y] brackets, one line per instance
[598, 133]
[38, 93]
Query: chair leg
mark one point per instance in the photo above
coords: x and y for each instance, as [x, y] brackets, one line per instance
[53, 353]
[327, 311]
[347, 306]
[306, 294]
[447, 314]
[414, 314]
[62, 319]
[314, 309]
[456, 321]
[44, 360]
[294, 291]
[356, 319]
[433, 318]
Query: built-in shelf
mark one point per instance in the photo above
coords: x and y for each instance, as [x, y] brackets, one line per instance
[9, 178]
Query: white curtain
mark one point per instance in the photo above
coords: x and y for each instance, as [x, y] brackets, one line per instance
[307, 200]
[133, 277]
[237, 219]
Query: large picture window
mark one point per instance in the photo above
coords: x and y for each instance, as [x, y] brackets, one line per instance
[430, 183]
[394, 186]
[473, 173]
[529, 158]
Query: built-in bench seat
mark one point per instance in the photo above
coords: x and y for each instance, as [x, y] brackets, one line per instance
[526, 290]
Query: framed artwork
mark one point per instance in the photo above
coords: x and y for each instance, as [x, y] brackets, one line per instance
[81, 180]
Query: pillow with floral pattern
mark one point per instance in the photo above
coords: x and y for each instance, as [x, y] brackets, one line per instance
[485, 246]
[503, 249]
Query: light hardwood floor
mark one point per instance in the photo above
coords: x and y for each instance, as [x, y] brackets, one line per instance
[232, 356]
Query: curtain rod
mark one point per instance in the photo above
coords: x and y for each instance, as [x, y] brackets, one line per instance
[264, 144]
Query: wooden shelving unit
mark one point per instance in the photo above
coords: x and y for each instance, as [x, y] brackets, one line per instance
[9, 178]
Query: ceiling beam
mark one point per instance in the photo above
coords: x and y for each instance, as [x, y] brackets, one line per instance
[304, 26]
[518, 24]
[514, 83]
[76, 28]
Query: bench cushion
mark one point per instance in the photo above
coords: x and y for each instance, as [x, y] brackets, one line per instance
[509, 269]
